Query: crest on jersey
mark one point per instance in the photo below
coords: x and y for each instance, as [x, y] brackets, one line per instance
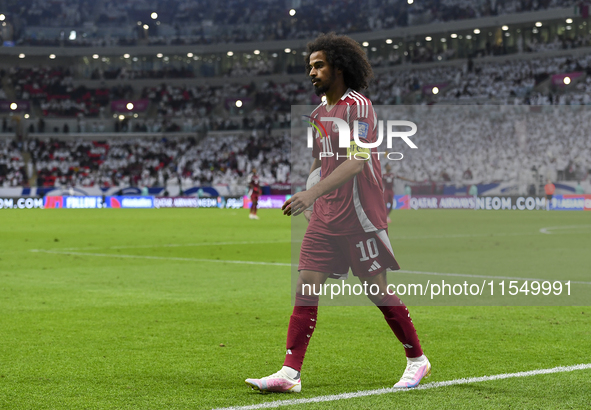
[317, 125]
[363, 129]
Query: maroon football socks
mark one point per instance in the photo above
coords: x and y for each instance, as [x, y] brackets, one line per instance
[301, 326]
[398, 318]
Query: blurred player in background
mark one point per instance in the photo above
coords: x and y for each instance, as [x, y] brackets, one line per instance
[348, 226]
[254, 191]
[388, 179]
[549, 188]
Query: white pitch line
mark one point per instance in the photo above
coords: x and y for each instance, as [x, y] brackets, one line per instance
[464, 235]
[172, 245]
[462, 275]
[548, 229]
[434, 385]
[172, 258]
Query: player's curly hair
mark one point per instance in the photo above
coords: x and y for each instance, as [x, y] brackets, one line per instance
[346, 54]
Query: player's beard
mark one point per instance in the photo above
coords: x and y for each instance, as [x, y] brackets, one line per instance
[324, 88]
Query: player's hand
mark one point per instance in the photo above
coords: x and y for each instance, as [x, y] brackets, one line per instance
[298, 203]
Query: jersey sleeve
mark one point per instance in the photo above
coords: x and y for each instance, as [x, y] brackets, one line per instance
[365, 116]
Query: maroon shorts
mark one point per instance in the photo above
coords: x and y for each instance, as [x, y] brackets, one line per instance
[254, 199]
[389, 197]
[367, 254]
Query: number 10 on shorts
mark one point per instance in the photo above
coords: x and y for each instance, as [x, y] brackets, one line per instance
[372, 249]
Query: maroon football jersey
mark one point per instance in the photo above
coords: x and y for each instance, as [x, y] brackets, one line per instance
[388, 181]
[358, 205]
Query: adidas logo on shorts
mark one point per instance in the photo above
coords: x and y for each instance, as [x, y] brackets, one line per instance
[374, 266]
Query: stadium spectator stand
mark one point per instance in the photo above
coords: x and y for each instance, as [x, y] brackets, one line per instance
[209, 21]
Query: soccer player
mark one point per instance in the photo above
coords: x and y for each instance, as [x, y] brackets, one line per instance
[348, 226]
[388, 181]
[254, 192]
[549, 188]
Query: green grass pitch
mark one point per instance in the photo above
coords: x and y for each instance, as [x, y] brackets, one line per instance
[139, 309]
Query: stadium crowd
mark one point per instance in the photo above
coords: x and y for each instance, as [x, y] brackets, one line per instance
[12, 166]
[508, 82]
[466, 145]
[159, 162]
[52, 88]
[210, 21]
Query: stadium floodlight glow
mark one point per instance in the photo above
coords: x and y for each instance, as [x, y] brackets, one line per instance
[135, 115]
[2, 17]
[365, 44]
[507, 35]
[476, 31]
[389, 41]
[146, 27]
[154, 15]
[292, 12]
[539, 24]
[374, 49]
[443, 39]
[135, 59]
[410, 1]
[52, 56]
[435, 90]
[114, 115]
[256, 52]
[72, 36]
[121, 117]
[505, 28]
[129, 106]
[95, 56]
[21, 55]
[439, 58]
[569, 21]
[189, 55]
[125, 55]
[230, 53]
[454, 35]
[395, 46]
[468, 37]
[139, 23]
[428, 38]
[238, 103]
[13, 106]
[569, 27]
[27, 116]
[566, 80]
[287, 50]
[159, 55]
[535, 31]
[274, 55]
